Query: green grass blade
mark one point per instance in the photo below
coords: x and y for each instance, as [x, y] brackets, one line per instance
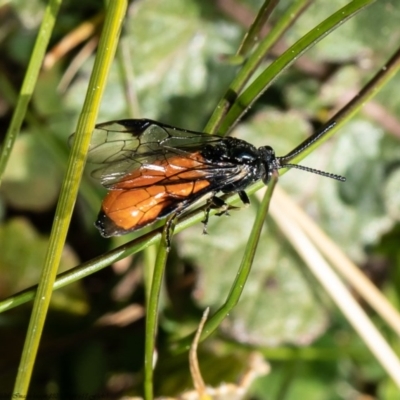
[69, 191]
[258, 87]
[381, 78]
[244, 270]
[251, 37]
[152, 309]
[29, 83]
[48, 140]
[253, 63]
[91, 266]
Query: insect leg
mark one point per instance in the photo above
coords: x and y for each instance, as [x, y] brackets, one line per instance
[226, 207]
[245, 199]
[213, 203]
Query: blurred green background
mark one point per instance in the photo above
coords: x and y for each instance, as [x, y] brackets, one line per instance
[171, 66]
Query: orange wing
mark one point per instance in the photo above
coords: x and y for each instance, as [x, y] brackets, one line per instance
[151, 193]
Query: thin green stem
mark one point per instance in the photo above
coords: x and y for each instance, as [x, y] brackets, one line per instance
[29, 83]
[381, 78]
[244, 270]
[260, 85]
[48, 140]
[69, 191]
[152, 309]
[150, 257]
[252, 36]
[253, 63]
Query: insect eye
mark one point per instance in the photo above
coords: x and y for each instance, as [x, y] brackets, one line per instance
[267, 153]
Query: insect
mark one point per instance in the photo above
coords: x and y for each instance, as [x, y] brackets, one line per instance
[153, 170]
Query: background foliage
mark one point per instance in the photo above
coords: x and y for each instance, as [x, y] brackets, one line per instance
[171, 67]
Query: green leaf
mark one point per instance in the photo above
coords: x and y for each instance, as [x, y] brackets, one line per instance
[31, 180]
[174, 61]
[30, 14]
[277, 305]
[391, 194]
[21, 260]
[354, 213]
[362, 34]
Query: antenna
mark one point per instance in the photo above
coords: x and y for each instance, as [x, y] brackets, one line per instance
[308, 142]
[314, 171]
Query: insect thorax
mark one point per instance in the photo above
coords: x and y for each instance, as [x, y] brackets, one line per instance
[241, 161]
